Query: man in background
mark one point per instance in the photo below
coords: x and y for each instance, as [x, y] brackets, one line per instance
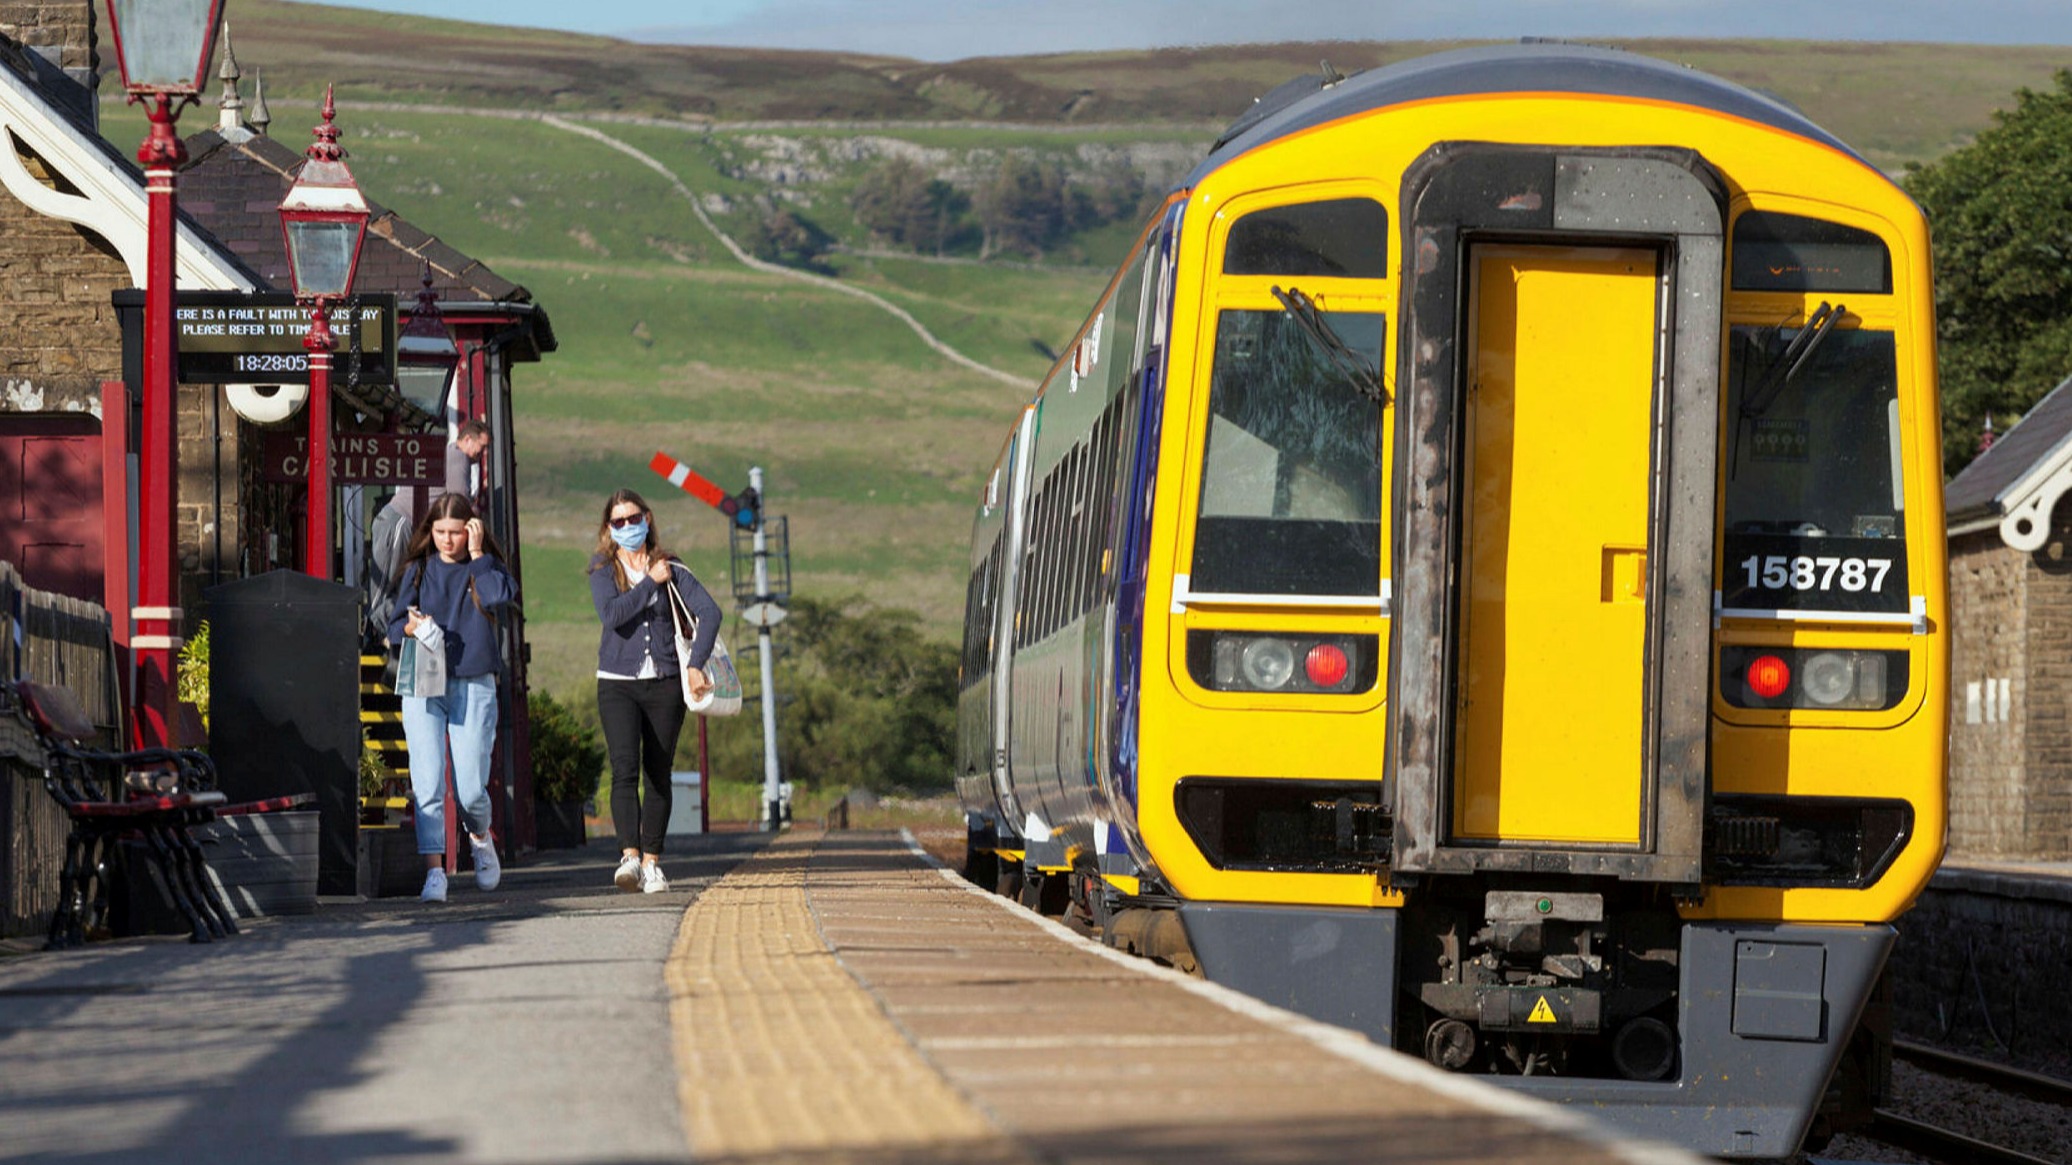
[392, 528]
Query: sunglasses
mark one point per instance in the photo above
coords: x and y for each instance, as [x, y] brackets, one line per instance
[622, 523]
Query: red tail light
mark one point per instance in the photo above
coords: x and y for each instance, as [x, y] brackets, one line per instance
[1325, 665]
[1768, 676]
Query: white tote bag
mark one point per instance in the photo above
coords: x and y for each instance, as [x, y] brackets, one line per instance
[724, 697]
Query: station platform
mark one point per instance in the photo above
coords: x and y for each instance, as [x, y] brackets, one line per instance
[816, 998]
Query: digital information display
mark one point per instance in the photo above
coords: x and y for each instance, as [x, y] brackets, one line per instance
[231, 337]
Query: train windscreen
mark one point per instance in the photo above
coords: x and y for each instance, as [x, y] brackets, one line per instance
[1291, 484]
[1814, 497]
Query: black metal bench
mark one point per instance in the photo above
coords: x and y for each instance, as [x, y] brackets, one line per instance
[155, 795]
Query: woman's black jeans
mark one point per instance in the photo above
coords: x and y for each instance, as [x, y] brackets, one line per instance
[642, 719]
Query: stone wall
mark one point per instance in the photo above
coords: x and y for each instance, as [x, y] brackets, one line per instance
[58, 334]
[1989, 654]
[61, 37]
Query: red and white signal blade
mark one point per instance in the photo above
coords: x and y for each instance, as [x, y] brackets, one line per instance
[681, 477]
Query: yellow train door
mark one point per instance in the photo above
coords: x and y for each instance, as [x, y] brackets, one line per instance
[1550, 713]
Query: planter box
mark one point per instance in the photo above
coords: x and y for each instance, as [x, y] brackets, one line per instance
[390, 866]
[558, 825]
[261, 863]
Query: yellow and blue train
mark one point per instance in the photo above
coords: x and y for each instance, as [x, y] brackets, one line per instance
[1477, 577]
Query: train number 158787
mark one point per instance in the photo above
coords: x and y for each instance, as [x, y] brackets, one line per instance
[1806, 572]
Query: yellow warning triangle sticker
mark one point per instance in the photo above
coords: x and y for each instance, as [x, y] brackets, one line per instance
[1541, 1013]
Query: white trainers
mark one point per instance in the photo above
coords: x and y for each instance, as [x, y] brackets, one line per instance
[434, 886]
[488, 871]
[652, 880]
[628, 876]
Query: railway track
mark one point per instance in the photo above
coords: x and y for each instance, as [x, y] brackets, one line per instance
[1943, 1144]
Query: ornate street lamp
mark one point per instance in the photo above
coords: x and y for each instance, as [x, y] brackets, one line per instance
[426, 356]
[323, 219]
[163, 49]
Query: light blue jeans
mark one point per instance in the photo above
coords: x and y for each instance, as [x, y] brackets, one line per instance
[466, 716]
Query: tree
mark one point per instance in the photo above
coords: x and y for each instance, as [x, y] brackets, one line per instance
[2001, 212]
[906, 204]
[1024, 206]
[864, 700]
[787, 237]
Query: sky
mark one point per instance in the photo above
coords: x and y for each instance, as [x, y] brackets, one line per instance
[951, 29]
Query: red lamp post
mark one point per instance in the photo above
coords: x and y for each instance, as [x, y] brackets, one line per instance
[323, 218]
[163, 50]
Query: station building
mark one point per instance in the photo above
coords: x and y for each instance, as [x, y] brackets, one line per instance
[2011, 647]
[72, 254]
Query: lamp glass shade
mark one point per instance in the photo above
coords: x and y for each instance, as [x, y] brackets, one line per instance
[164, 44]
[321, 254]
[423, 381]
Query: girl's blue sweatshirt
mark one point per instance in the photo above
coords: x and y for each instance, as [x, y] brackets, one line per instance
[440, 589]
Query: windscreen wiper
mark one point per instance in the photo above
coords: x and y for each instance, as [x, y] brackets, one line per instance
[1350, 364]
[1794, 358]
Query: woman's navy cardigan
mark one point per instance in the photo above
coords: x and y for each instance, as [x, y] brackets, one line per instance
[636, 621]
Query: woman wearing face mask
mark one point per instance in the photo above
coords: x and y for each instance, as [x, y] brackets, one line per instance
[452, 582]
[640, 697]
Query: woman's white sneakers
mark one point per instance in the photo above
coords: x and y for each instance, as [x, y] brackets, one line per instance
[434, 886]
[488, 871]
[652, 880]
[627, 877]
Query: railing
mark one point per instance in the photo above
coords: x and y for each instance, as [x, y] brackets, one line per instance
[60, 641]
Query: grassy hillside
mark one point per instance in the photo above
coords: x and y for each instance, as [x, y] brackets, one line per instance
[873, 445]
[1896, 102]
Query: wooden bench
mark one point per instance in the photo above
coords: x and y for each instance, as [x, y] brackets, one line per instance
[156, 795]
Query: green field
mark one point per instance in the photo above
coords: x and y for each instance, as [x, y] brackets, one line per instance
[873, 445]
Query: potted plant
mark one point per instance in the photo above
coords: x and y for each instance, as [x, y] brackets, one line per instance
[567, 761]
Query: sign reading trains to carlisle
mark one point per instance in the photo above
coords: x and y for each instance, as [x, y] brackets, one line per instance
[361, 458]
[231, 337]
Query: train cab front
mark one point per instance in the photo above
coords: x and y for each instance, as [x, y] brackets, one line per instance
[1661, 715]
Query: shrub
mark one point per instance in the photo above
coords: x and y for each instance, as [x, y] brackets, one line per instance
[192, 682]
[567, 758]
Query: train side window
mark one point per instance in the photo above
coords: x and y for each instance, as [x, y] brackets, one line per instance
[1815, 498]
[1344, 238]
[1291, 479]
[1789, 252]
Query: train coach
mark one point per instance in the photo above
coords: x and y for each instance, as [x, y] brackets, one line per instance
[1477, 577]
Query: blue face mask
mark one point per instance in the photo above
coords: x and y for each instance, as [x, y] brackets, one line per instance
[632, 536]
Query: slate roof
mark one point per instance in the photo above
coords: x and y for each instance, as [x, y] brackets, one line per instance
[1982, 490]
[235, 187]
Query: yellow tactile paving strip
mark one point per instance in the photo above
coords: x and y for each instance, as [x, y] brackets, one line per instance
[836, 1001]
[780, 1053]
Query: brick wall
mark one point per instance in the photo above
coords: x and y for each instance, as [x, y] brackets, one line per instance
[1989, 655]
[2047, 725]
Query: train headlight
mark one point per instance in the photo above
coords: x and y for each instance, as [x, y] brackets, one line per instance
[1790, 677]
[1267, 664]
[1239, 661]
[1829, 677]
